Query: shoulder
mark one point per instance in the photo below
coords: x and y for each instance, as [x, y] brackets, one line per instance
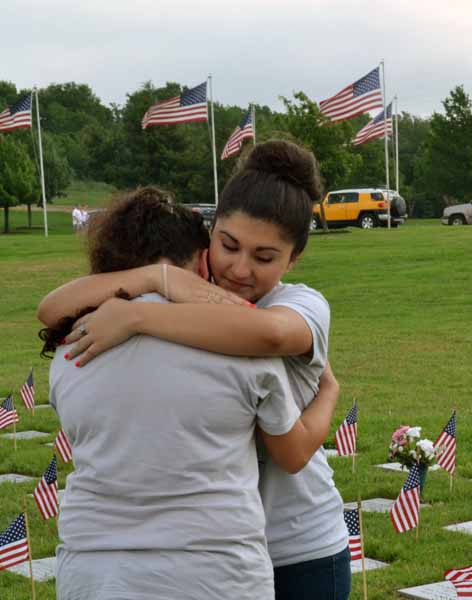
[295, 295]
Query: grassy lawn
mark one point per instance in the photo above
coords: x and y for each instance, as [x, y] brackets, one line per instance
[400, 344]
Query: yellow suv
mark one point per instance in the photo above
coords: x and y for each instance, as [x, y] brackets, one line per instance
[366, 208]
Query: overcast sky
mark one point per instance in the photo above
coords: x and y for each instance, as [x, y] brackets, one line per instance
[256, 50]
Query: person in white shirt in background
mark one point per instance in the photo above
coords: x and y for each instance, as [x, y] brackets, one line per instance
[76, 217]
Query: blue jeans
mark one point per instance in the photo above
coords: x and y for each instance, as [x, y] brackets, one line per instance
[321, 579]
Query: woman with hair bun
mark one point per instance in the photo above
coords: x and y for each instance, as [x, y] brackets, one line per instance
[261, 228]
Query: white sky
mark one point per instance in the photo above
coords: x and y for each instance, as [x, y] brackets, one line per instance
[256, 50]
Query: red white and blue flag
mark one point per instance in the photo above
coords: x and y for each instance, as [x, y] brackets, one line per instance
[27, 391]
[188, 107]
[63, 446]
[17, 116]
[8, 413]
[14, 548]
[461, 579]
[446, 443]
[356, 99]
[375, 129]
[245, 130]
[351, 518]
[406, 509]
[45, 493]
[346, 435]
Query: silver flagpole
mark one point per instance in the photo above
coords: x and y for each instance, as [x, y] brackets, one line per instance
[41, 165]
[213, 144]
[397, 165]
[387, 175]
[253, 117]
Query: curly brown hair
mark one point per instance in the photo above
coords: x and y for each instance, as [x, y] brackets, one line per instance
[138, 229]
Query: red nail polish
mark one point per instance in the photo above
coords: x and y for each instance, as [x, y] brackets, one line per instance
[67, 356]
[77, 363]
[251, 305]
[62, 342]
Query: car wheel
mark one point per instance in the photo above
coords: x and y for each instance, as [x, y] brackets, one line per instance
[367, 221]
[456, 220]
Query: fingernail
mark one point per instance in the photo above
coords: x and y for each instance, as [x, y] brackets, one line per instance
[77, 363]
[251, 305]
[67, 356]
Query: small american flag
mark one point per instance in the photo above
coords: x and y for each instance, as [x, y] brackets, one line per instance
[406, 509]
[63, 446]
[14, 544]
[27, 391]
[45, 492]
[351, 518]
[446, 442]
[375, 129]
[8, 414]
[243, 131]
[17, 116]
[346, 434]
[189, 106]
[461, 579]
[355, 99]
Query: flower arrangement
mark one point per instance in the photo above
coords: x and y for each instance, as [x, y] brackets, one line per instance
[407, 449]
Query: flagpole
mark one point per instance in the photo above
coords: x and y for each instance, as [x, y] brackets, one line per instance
[33, 591]
[387, 174]
[364, 575]
[43, 187]
[14, 436]
[213, 143]
[397, 166]
[253, 117]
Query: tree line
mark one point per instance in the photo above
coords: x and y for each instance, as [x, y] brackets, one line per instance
[85, 140]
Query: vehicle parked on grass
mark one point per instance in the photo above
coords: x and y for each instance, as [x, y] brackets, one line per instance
[207, 211]
[364, 207]
[459, 214]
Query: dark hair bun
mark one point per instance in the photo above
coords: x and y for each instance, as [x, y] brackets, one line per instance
[289, 162]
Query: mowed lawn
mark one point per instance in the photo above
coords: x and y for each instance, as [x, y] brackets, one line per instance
[400, 344]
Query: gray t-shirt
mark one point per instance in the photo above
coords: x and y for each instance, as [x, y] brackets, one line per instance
[304, 512]
[162, 439]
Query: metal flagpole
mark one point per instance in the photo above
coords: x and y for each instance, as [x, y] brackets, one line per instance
[397, 167]
[387, 175]
[253, 118]
[41, 165]
[213, 144]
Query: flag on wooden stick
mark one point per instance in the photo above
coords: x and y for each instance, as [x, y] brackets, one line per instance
[446, 445]
[351, 518]
[346, 435]
[461, 579]
[188, 107]
[45, 493]
[8, 413]
[14, 544]
[27, 392]
[243, 131]
[405, 511]
[63, 446]
[18, 115]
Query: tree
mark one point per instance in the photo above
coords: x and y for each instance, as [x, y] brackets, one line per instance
[18, 181]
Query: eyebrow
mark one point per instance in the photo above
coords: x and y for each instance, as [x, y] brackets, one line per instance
[258, 248]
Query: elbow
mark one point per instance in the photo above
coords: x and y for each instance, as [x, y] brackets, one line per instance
[44, 315]
[296, 464]
[275, 338]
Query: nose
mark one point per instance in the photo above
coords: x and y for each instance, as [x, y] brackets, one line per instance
[241, 268]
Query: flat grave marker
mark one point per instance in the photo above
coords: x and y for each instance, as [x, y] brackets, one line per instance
[399, 468]
[15, 478]
[25, 435]
[370, 565]
[444, 590]
[43, 569]
[465, 527]
[378, 505]
[42, 406]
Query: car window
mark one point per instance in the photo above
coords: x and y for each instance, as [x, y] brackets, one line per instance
[334, 199]
[351, 197]
[376, 196]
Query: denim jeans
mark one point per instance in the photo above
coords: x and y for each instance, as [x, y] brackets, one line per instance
[321, 579]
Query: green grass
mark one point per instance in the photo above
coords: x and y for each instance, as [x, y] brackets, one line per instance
[93, 193]
[400, 343]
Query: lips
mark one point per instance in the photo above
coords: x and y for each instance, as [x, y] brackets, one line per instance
[236, 284]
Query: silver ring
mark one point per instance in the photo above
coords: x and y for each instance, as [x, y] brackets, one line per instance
[82, 329]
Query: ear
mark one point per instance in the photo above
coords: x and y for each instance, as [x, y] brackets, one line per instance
[293, 262]
[203, 269]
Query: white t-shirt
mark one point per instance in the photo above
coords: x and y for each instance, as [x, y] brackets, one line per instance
[166, 471]
[304, 512]
[76, 217]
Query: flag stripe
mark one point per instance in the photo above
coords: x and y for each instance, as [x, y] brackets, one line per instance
[63, 446]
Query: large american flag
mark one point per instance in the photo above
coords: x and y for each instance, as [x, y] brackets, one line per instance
[14, 544]
[375, 129]
[27, 391]
[447, 443]
[8, 413]
[406, 509]
[63, 446]
[461, 579]
[17, 116]
[346, 434]
[45, 492]
[242, 132]
[189, 106]
[356, 99]
[351, 518]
